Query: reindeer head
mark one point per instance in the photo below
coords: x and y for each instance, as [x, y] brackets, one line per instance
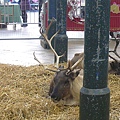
[60, 87]
[61, 83]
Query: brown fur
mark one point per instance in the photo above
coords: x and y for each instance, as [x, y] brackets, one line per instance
[65, 86]
[66, 94]
[76, 85]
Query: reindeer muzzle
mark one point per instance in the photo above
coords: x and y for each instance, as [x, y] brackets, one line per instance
[55, 98]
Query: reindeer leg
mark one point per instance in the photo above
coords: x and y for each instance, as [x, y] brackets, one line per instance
[115, 49]
[117, 43]
[115, 65]
[113, 58]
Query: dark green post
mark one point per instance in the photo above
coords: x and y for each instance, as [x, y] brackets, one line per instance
[61, 39]
[95, 95]
[51, 9]
[51, 15]
[40, 8]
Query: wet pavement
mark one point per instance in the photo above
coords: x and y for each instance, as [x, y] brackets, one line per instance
[20, 52]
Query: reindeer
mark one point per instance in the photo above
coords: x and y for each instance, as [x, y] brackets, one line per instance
[113, 64]
[67, 82]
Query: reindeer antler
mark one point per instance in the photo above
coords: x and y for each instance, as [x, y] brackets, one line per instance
[70, 69]
[45, 67]
[76, 64]
[115, 49]
[50, 41]
[37, 59]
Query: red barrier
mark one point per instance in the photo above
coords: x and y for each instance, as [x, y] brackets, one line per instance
[75, 20]
[115, 15]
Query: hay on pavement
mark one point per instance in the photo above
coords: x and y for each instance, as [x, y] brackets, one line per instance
[24, 95]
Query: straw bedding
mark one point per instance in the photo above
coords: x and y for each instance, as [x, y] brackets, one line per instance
[24, 95]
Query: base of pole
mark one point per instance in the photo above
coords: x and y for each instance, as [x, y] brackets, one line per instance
[94, 104]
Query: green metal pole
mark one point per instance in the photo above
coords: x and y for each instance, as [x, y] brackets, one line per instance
[51, 15]
[61, 39]
[40, 8]
[95, 95]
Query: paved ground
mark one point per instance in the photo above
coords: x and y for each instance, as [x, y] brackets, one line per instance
[20, 52]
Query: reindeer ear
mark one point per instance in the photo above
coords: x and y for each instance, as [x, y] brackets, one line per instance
[61, 66]
[74, 73]
[69, 64]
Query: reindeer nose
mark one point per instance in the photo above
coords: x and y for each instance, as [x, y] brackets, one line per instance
[55, 98]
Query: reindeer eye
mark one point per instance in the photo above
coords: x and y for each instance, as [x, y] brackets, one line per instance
[66, 82]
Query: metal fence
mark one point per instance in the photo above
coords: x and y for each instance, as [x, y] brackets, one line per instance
[11, 21]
